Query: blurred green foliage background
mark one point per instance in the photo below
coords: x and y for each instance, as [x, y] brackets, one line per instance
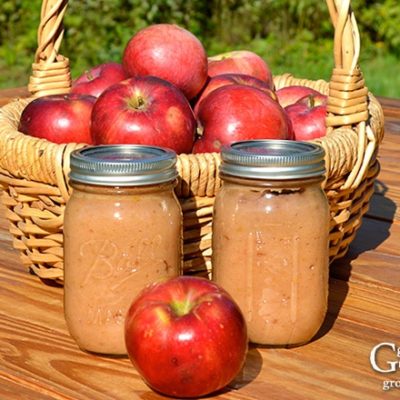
[293, 36]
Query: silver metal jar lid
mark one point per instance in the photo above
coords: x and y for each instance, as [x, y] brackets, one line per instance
[273, 159]
[123, 165]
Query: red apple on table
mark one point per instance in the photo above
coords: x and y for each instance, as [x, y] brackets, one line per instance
[168, 52]
[59, 118]
[238, 112]
[186, 337]
[291, 94]
[146, 110]
[97, 79]
[231, 79]
[240, 62]
[308, 117]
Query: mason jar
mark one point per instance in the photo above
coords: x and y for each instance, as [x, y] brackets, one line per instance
[270, 243]
[122, 231]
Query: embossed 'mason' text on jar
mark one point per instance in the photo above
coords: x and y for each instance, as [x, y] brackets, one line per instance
[271, 238]
[122, 231]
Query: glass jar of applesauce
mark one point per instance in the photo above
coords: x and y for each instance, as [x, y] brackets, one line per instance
[271, 238]
[122, 231]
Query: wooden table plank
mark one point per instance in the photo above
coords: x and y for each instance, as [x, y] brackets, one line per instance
[376, 235]
[49, 357]
[390, 106]
[370, 268]
[7, 95]
[47, 345]
[12, 390]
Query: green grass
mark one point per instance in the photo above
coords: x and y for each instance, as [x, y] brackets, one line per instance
[382, 75]
[13, 76]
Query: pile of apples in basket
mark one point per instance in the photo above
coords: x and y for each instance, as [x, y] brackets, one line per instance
[168, 93]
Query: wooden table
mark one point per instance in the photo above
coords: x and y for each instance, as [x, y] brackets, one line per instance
[38, 359]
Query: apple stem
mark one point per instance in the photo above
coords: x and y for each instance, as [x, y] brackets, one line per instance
[311, 101]
[138, 103]
[199, 129]
[181, 308]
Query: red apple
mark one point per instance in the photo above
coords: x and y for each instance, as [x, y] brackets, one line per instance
[240, 62]
[238, 112]
[291, 94]
[59, 118]
[168, 52]
[146, 110]
[186, 337]
[308, 117]
[231, 79]
[99, 78]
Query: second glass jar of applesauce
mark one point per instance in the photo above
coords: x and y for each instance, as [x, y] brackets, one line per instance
[122, 231]
[270, 239]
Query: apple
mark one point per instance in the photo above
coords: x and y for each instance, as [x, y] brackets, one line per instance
[240, 62]
[97, 79]
[308, 117]
[144, 110]
[168, 52]
[230, 79]
[59, 118]
[186, 337]
[291, 94]
[237, 112]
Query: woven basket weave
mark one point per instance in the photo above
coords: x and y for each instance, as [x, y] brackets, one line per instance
[34, 172]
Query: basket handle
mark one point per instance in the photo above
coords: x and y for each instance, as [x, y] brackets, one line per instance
[347, 96]
[50, 70]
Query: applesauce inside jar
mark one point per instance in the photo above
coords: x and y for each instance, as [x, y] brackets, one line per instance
[270, 238]
[122, 231]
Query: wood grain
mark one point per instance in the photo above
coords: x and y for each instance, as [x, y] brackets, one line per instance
[12, 390]
[39, 360]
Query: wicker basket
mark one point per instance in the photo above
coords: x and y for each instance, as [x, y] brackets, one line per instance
[34, 172]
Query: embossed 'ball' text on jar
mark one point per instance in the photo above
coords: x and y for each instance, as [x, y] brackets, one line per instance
[271, 238]
[122, 231]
